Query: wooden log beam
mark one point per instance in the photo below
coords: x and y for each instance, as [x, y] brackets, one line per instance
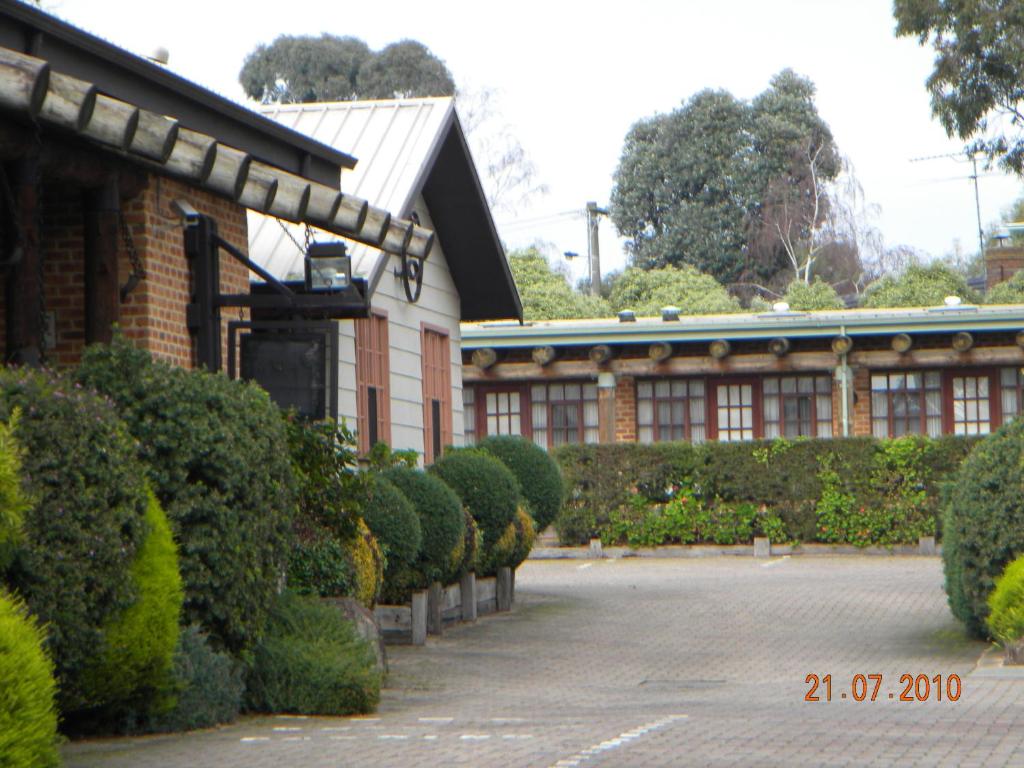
[24, 344]
[193, 156]
[659, 351]
[544, 355]
[398, 236]
[259, 190]
[155, 137]
[24, 81]
[484, 358]
[719, 349]
[292, 197]
[69, 102]
[230, 172]
[962, 341]
[113, 123]
[351, 214]
[600, 354]
[902, 343]
[101, 207]
[323, 206]
[375, 227]
[779, 346]
[421, 243]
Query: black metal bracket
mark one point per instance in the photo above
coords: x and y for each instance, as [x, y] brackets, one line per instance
[202, 248]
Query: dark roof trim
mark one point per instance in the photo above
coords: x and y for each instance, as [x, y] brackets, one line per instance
[463, 224]
[131, 78]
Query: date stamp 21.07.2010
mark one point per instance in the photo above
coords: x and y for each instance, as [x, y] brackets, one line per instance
[872, 688]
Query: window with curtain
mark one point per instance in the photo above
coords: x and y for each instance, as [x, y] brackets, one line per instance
[373, 386]
[906, 404]
[469, 414]
[797, 406]
[670, 409]
[437, 393]
[1011, 385]
[564, 413]
[735, 406]
[971, 406]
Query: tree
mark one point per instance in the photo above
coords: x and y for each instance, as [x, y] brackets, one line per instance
[691, 185]
[977, 84]
[919, 286]
[1009, 292]
[646, 291]
[298, 69]
[546, 294]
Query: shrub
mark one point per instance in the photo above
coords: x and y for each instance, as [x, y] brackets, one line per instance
[216, 454]
[485, 485]
[318, 565]
[441, 520]
[539, 477]
[312, 662]
[500, 553]
[526, 534]
[1006, 605]
[86, 524]
[984, 521]
[13, 503]
[472, 546]
[367, 564]
[208, 687]
[138, 650]
[393, 520]
[28, 716]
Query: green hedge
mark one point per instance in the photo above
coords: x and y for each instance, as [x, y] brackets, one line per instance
[443, 526]
[1006, 605]
[537, 472]
[393, 520]
[984, 522]
[134, 667]
[216, 454]
[845, 490]
[13, 502]
[86, 524]
[312, 662]
[28, 715]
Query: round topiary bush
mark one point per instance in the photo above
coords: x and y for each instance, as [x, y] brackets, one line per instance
[216, 454]
[394, 522]
[499, 553]
[526, 534]
[473, 544]
[485, 485]
[134, 666]
[74, 564]
[28, 715]
[537, 472]
[441, 520]
[1006, 610]
[983, 522]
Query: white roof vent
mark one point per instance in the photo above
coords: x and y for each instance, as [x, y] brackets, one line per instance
[951, 301]
[627, 316]
[780, 306]
[160, 55]
[668, 314]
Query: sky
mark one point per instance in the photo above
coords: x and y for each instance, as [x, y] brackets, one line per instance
[572, 77]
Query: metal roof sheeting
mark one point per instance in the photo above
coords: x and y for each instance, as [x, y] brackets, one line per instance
[395, 142]
[852, 322]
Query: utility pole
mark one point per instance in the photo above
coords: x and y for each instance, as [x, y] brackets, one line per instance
[594, 246]
[977, 205]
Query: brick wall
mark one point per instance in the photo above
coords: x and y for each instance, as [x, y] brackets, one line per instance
[625, 410]
[862, 402]
[153, 315]
[1001, 264]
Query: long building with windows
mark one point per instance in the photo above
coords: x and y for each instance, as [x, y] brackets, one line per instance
[953, 369]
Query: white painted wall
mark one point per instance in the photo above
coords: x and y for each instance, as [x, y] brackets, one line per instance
[438, 305]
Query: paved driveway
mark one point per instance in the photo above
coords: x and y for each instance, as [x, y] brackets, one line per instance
[658, 662]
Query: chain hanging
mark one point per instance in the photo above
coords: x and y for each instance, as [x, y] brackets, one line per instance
[138, 273]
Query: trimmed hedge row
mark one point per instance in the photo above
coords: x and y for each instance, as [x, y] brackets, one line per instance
[856, 490]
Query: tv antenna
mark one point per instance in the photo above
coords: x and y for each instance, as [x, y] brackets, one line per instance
[966, 154]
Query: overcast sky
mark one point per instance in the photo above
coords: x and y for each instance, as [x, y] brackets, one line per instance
[573, 77]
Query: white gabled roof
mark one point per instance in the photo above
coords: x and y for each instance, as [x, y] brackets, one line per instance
[394, 142]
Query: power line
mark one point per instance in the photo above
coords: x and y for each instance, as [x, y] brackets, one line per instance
[973, 157]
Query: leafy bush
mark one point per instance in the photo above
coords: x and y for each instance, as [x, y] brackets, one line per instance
[312, 662]
[13, 503]
[441, 520]
[208, 687]
[393, 520]
[920, 285]
[526, 534]
[135, 662]
[367, 562]
[216, 454]
[815, 489]
[984, 522]
[28, 716]
[82, 534]
[500, 553]
[539, 478]
[805, 297]
[473, 543]
[1006, 605]
[485, 485]
[318, 565]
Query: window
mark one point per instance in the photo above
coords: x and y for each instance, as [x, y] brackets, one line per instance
[373, 408]
[564, 413]
[437, 393]
[503, 411]
[797, 406]
[469, 414]
[906, 404]
[670, 409]
[1011, 384]
[734, 404]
